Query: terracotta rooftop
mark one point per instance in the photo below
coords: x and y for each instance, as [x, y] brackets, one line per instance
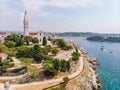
[33, 33]
[3, 54]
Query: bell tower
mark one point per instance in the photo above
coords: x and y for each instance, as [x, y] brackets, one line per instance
[25, 23]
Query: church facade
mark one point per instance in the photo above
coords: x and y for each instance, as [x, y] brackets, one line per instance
[38, 35]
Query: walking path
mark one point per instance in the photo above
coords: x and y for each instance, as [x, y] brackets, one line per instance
[65, 55]
[16, 60]
[7, 78]
[49, 82]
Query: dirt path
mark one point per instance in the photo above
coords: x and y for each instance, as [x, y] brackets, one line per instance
[48, 83]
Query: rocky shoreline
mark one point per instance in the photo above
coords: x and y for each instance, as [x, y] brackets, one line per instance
[92, 65]
[89, 79]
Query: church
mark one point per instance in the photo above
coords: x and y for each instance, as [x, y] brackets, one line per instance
[38, 35]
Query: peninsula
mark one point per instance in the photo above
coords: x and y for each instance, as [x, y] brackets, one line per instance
[39, 61]
[104, 38]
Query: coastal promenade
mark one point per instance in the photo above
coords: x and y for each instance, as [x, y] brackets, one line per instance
[44, 84]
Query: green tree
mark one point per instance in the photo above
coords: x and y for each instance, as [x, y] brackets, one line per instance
[15, 38]
[4, 65]
[48, 47]
[61, 43]
[11, 52]
[50, 71]
[65, 65]
[35, 40]
[44, 41]
[66, 79]
[12, 37]
[33, 71]
[27, 40]
[3, 48]
[23, 51]
[37, 53]
[10, 44]
[57, 64]
[20, 42]
[55, 51]
[75, 55]
[44, 50]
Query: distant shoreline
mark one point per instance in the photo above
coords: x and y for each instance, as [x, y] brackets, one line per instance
[103, 39]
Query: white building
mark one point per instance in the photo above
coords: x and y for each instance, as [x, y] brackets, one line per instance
[3, 56]
[3, 36]
[38, 35]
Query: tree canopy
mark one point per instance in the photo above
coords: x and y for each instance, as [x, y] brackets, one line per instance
[54, 66]
[35, 40]
[10, 44]
[44, 41]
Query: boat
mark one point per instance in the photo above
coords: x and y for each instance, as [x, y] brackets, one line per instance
[102, 47]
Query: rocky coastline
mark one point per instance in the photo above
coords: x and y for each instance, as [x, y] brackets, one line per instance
[89, 79]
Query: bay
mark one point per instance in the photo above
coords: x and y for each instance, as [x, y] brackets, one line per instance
[109, 59]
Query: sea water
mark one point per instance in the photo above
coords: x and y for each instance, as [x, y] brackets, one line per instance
[109, 59]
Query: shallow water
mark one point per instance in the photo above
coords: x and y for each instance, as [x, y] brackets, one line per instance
[109, 68]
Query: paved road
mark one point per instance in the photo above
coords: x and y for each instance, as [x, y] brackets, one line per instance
[65, 55]
[79, 70]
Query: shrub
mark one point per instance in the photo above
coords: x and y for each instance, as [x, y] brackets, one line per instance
[66, 79]
[35, 40]
[55, 51]
[10, 44]
[75, 55]
[50, 71]
[33, 71]
[18, 69]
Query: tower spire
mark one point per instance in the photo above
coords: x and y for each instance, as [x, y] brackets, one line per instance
[25, 23]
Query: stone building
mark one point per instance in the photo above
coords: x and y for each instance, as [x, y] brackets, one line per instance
[25, 23]
[38, 34]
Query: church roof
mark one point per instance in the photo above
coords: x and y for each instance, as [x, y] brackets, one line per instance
[33, 33]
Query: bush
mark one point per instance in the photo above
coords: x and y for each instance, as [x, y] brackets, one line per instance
[10, 44]
[35, 40]
[75, 55]
[18, 69]
[23, 51]
[3, 48]
[66, 79]
[68, 47]
[33, 71]
[54, 66]
[55, 51]
[50, 71]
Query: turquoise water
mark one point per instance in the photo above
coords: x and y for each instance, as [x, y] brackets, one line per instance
[109, 68]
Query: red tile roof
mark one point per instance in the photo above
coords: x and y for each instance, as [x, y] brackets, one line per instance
[3, 55]
[33, 33]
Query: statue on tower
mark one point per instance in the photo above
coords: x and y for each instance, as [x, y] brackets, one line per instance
[25, 23]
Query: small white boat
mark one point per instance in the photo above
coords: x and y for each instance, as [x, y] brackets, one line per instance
[102, 47]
